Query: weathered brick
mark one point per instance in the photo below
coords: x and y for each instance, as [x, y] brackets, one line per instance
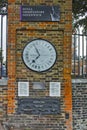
[19, 34]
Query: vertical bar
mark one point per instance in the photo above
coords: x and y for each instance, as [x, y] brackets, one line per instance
[6, 41]
[1, 41]
[74, 52]
[86, 55]
[0, 47]
[4, 46]
[78, 55]
[82, 54]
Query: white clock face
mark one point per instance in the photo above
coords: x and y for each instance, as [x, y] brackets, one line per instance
[39, 55]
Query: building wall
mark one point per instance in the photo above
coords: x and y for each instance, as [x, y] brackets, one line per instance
[79, 91]
[3, 99]
[59, 33]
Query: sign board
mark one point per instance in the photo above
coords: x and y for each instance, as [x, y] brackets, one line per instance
[38, 106]
[23, 88]
[40, 13]
[55, 89]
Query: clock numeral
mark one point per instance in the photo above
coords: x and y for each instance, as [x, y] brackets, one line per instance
[27, 51]
[50, 49]
[44, 44]
[35, 66]
[46, 65]
[28, 61]
[26, 57]
[42, 66]
[48, 46]
[38, 67]
[51, 58]
[26, 54]
[50, 61]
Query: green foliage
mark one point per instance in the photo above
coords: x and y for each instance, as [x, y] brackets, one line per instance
[3, 6]
[3, 3]
[80, 13]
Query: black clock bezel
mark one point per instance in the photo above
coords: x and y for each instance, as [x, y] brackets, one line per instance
[45, 69]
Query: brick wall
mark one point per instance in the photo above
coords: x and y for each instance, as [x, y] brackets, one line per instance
[3, 99]
[79, 90]
[59, 33]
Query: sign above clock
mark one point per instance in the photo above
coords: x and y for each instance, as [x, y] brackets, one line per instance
[40, 13]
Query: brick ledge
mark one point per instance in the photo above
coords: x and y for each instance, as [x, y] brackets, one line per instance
[79, 80]
[3, 82]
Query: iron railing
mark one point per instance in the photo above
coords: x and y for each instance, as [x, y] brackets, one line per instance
[3, 41]
[79, 55]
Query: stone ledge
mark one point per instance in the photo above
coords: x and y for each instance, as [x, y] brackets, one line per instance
[3, 82]
[79, 80]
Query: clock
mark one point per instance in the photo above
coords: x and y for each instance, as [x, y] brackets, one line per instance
[39, 55]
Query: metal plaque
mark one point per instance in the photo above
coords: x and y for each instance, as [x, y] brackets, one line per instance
[40, 13]
[38, 106]
[23, 88]
[55, 89]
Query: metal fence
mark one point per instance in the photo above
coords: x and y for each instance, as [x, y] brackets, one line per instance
[3, 40]
[79, 55]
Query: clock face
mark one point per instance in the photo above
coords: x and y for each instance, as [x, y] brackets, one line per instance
[39, 55]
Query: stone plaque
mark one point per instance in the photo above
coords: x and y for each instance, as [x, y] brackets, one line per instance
[55, 89]
[23, 88]
[38, 106]
[38, 85]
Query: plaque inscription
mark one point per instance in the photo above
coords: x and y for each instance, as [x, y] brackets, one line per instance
[38, 106]
[40, 13]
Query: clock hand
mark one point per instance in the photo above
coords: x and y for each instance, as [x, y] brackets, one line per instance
[37, 50]
[35, 59]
